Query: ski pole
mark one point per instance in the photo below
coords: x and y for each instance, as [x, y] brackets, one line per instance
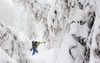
[44, 46]
[29, 53]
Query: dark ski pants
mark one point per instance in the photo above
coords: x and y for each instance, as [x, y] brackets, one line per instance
[34, 50]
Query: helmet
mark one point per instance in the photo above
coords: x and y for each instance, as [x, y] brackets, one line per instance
[33, 41]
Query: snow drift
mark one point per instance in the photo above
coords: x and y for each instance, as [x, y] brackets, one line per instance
[71, 26]
[4, 58]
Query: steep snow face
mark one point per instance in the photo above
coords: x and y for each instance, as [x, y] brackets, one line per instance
[16, 46]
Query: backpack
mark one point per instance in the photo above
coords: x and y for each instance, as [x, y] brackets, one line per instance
[34, 44]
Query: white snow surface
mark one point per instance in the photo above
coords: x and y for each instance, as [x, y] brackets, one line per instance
[4, 58]
[41, 57]
[70, 28]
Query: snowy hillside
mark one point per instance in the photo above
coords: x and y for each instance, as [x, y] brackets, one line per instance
[4, 58]
[70, 28]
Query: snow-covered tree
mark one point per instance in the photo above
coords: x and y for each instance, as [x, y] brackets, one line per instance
[72, 27]
[79, 28]
[15, 45]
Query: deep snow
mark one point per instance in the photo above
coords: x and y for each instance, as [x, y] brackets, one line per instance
[5, 58]
[42, 56]
[70, 28]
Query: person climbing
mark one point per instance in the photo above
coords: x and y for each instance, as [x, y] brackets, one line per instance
[34, 46]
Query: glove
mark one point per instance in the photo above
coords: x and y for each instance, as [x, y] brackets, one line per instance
[31, 49]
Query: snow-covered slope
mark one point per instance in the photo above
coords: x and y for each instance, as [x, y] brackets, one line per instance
[71, 26]
[42, 57]
[4, 58]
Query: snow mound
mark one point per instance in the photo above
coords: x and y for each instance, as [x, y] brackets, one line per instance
[42, 57]
[4, 58]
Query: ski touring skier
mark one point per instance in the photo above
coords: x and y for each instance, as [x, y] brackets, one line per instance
[34, 46]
